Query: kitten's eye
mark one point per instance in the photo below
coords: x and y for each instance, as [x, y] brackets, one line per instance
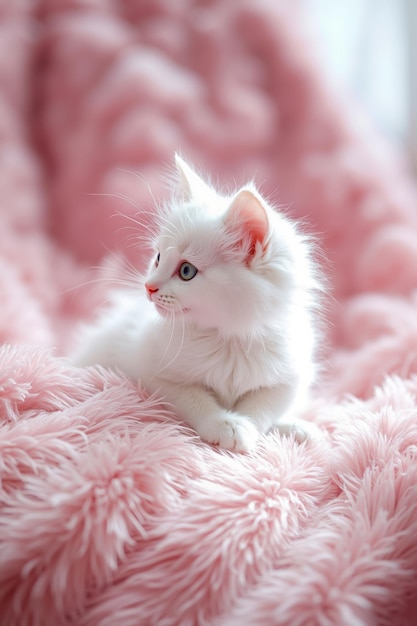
[158, 256]
[187, 271]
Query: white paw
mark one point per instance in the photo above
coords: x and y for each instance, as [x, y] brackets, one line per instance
[232, 432]
[301, 430]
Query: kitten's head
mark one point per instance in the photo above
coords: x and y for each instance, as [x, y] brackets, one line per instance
[221, 262]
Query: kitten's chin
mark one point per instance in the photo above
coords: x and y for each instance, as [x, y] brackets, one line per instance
[163, 312]
[226, 327]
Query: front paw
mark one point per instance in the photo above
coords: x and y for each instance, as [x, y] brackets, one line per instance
[231, 432]
[301, 430]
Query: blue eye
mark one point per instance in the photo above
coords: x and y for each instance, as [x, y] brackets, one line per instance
[187, 271]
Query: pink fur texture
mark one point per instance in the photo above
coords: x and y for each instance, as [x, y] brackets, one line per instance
[112, 512]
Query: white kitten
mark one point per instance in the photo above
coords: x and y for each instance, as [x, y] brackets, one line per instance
[226, 334]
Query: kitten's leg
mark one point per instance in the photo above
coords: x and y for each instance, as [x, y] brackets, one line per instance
[214, 424]
[267, 408]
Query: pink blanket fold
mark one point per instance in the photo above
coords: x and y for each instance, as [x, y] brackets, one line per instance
[111, 510]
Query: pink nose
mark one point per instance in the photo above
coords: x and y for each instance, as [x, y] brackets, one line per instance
[150, 289]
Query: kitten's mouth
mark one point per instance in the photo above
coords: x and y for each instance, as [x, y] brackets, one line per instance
[167, 312]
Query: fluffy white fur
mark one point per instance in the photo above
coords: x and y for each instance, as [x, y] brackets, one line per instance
[232, 349]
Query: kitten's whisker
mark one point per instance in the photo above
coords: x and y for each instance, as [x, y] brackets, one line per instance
[118, 195]
[136, 221]
[135, 282]
[174, 316]
[144, 236]
[172, 320]
[129, 281]
[86, 283]
[183, 331]
[133, 271]
[142, 178]
[148, 227]
[139, 242]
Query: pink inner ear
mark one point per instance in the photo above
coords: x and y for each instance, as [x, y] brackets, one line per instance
[248, 217]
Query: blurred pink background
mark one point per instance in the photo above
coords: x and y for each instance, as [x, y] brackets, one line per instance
[111, 512]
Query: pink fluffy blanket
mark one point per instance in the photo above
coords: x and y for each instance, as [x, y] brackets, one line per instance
[112, 512]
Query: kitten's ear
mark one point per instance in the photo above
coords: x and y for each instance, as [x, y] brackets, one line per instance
[247, 219]
[192, 186]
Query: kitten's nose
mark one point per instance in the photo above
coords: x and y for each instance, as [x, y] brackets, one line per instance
[150, 289]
